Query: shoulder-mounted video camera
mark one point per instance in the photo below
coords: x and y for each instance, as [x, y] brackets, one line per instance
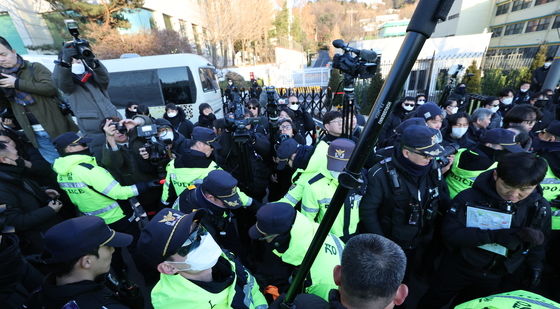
[81, 45]
[363, 64]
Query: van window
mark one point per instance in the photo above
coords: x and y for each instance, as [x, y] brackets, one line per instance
[177, 85]
[208, 79]
[155, 87]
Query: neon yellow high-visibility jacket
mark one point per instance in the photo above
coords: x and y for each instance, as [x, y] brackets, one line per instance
[459, 179]
[92, 188]
[329, 256]
[175, 291]
[516, 299]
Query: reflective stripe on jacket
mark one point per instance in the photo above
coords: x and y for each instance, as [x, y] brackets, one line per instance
[92, 188]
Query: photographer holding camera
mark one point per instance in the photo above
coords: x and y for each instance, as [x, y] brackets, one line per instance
[125, 164]
[84, 81]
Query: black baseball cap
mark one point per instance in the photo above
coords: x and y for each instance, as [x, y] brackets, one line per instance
[63, 140]
[502, 137]
[77, 237]
[223, 186]
[429, 111]
[204, 135]
[422, 139]
[409, 122]
[273, 218]
[553, 128]
[284, 151]
[339, 153]
[161, 123]
[165, 234]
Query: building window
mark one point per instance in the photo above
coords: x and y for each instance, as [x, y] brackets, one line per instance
[538, 24]
[497, 32]
[556, 23]
[502, 9]
[520, 5]
[538, 2]
[529, 52]
[514, 29]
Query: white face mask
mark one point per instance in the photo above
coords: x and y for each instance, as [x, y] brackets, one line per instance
[507, 101]
[547, 65]
[523, 90]
[204, 257]
[420, 102]
[454, 110]
[167, 135]
[293, 107]
[334, 174]
[494, 109]
[458, 132]
[171, 114]
[78, 68]
[407, 108]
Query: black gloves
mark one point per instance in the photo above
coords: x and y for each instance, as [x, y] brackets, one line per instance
[506, 238]
[69, 52]
[147, 185]
[531, 236]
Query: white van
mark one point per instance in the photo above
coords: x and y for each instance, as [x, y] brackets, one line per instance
[186, 80]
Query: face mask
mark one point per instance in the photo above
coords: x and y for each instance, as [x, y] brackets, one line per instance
[494, 109]
[171, 114]
[547, 65]
[523, 90]
[421, 102]
[454, 110]
[439, 137]
[458, 132]
[204, 257]
[294, 107]
[408, 108]
[335, 174]
[78, 68]
[507, 101]
[230, 83]
[167, 135]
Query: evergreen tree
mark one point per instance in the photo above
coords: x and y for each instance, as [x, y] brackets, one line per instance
[473, 82]
[109, 12]
[493, 81]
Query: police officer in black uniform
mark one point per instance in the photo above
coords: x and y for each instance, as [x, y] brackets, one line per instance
[404, 193]
[228, 213]
[480, 256]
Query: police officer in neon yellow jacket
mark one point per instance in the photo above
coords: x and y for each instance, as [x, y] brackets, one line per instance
[191, 166]
[318, 191]
[90, 187]
[469, 163]
[194, 271]
[546, 143]
[289, 234]
[514, 299]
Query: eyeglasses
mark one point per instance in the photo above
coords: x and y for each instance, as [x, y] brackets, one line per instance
[419, 153]
[193, 241]
[408, 104]
[285, 127]
[253, 107]
[294, 103]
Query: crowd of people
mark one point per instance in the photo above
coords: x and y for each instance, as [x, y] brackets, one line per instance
[133, 211]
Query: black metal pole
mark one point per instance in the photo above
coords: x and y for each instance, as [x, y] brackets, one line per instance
[420, 28]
